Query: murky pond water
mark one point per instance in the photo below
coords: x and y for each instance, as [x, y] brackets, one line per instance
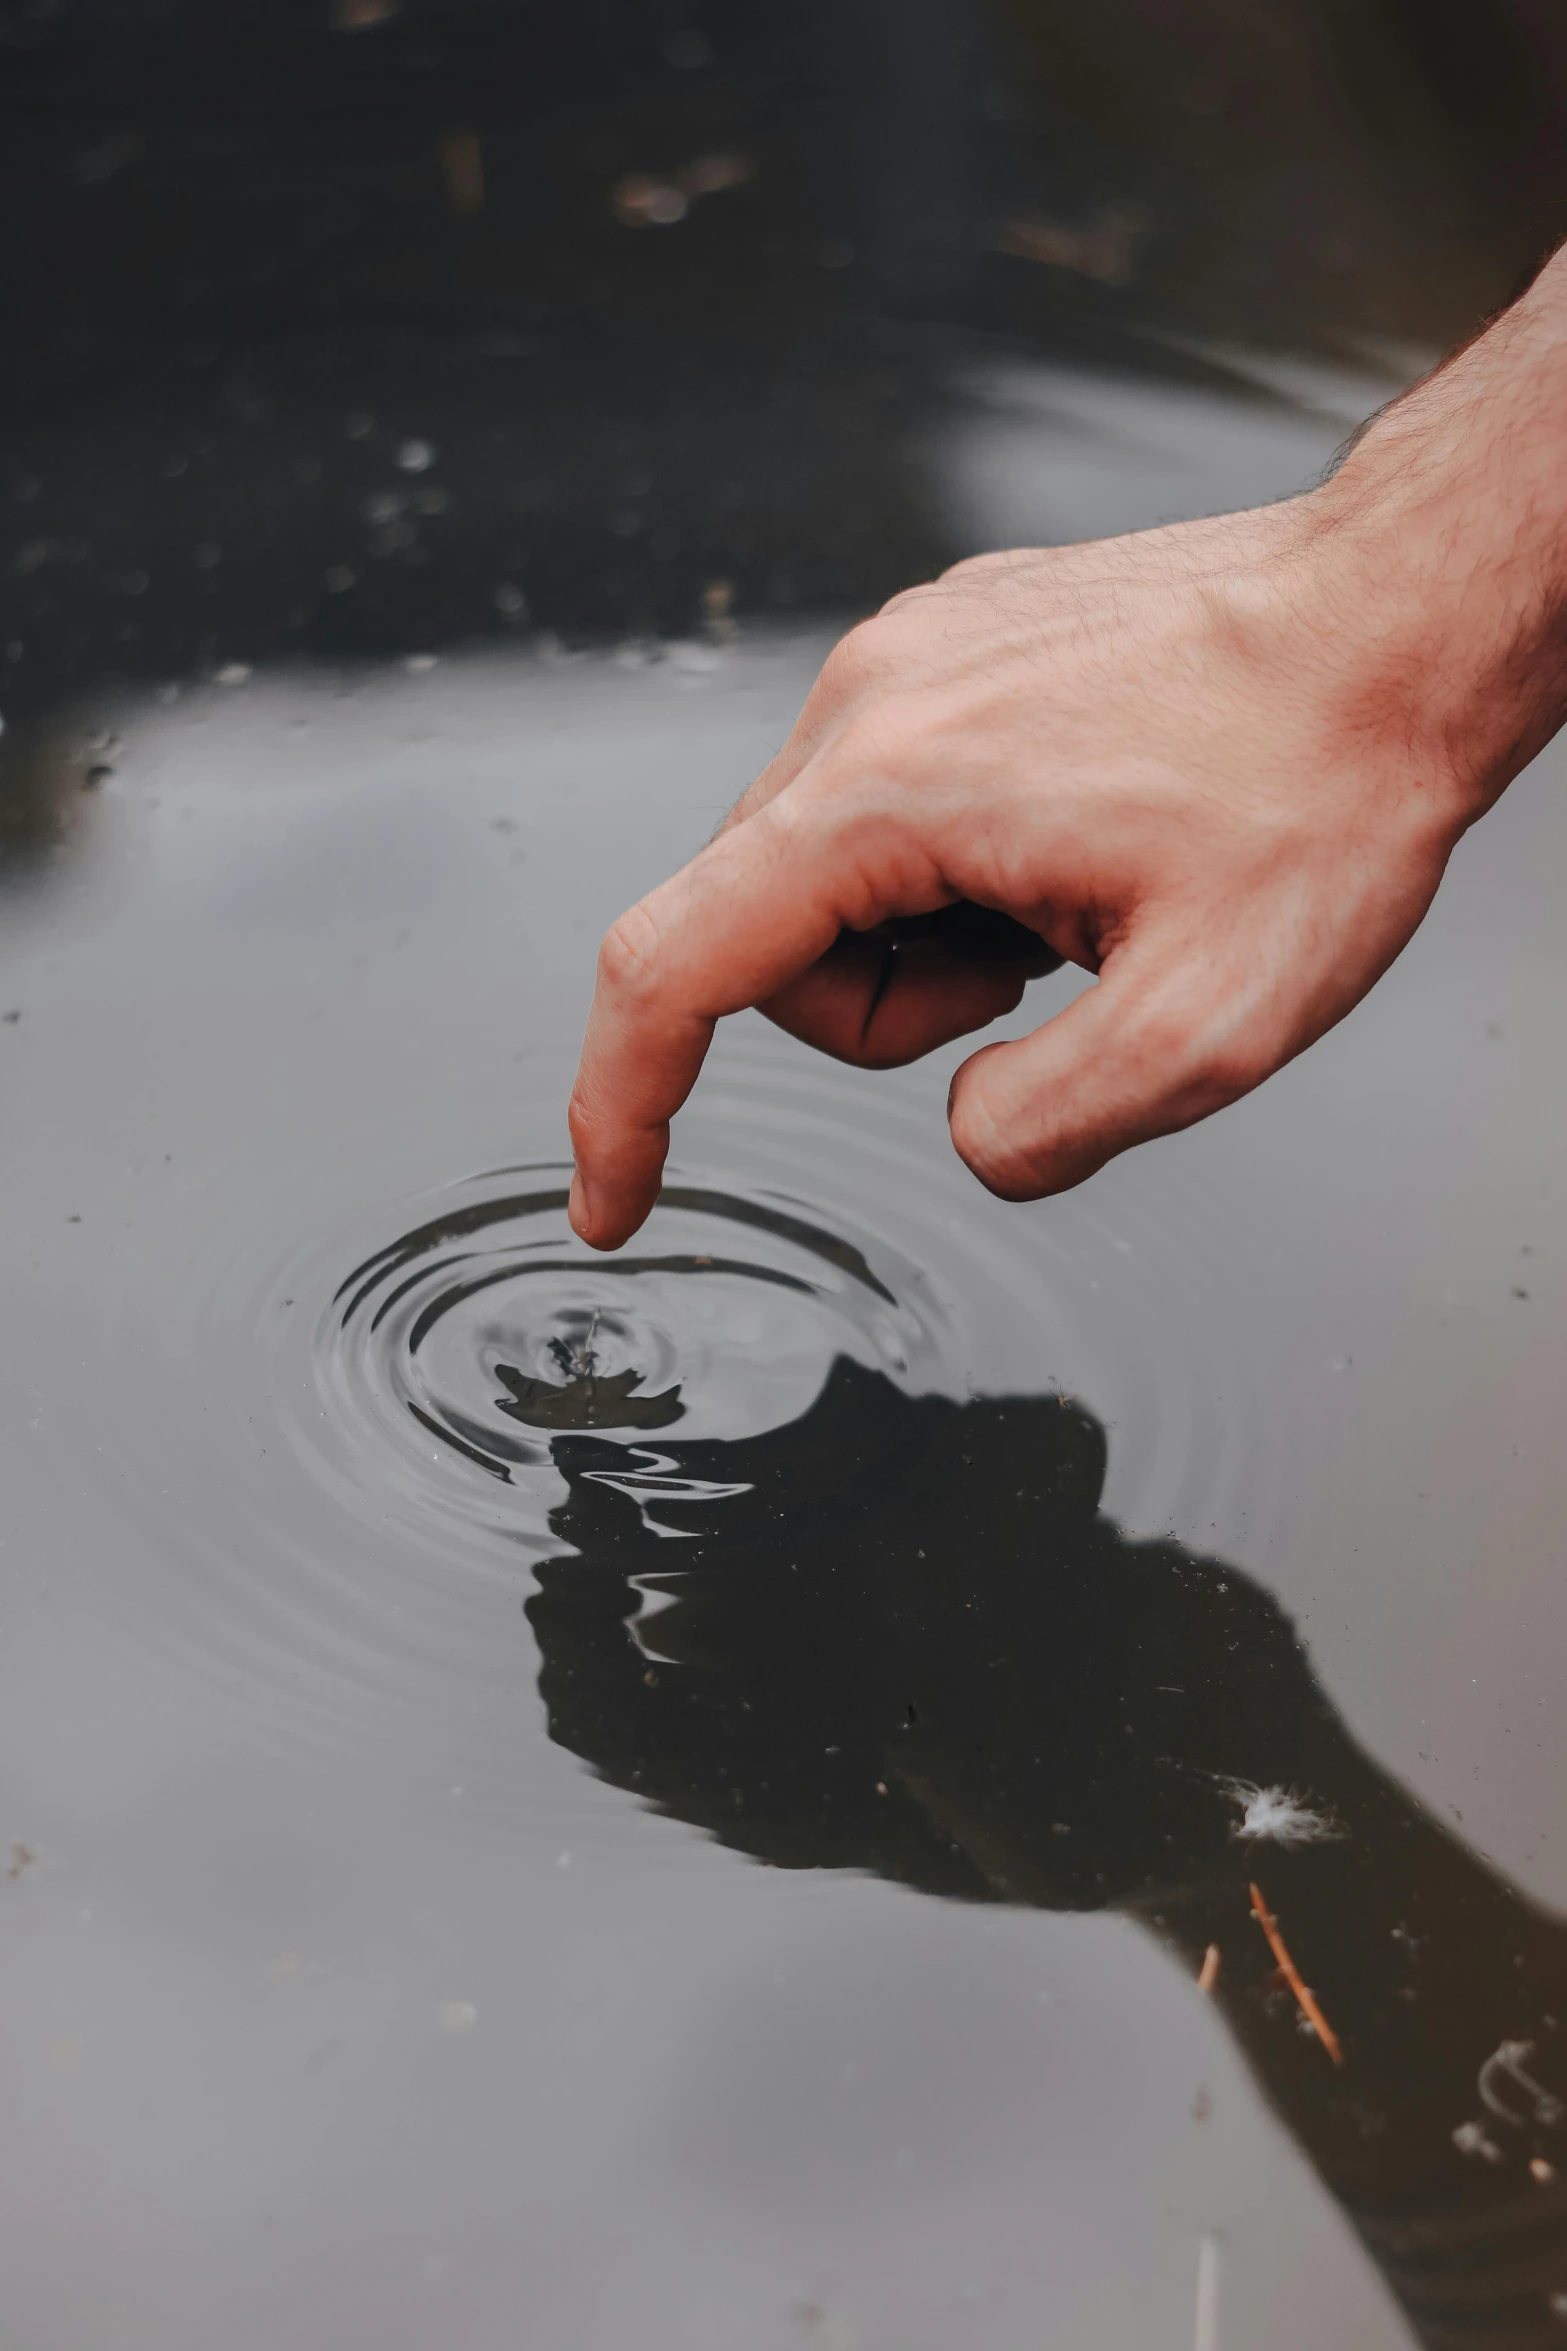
[418, 1631]
[877, 1771]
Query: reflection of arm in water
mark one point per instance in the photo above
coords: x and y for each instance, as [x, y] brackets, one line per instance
[913, 1645]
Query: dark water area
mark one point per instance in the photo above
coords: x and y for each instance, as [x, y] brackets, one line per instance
[939, 1649]
[876, 1770]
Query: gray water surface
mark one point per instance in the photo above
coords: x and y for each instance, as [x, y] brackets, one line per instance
[360, 1994]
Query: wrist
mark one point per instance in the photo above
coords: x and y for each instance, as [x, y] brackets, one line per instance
[1441, 549]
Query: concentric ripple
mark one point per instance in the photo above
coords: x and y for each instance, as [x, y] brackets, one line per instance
[471, 1340]
[332, 1418]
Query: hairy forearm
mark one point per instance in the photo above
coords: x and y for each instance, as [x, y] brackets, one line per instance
[1446, 526]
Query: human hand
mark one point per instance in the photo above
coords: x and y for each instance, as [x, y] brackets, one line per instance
[1178, 760]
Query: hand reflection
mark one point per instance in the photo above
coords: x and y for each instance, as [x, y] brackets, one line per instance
[910, 1643]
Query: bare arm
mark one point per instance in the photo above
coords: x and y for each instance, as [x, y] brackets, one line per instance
[1221, 765]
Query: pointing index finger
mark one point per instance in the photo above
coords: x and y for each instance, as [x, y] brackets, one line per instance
[755, 908]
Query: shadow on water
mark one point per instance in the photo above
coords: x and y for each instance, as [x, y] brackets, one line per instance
[906, 1640]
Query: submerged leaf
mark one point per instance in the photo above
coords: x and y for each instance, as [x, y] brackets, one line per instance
[587, 1402]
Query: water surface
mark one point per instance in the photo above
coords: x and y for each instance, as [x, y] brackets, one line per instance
[418, 1631]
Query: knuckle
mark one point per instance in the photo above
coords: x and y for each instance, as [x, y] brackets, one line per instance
[910, 599]
[857, 660]
[628, 963]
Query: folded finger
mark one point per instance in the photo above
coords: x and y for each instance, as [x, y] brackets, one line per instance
[1158, 1043]
[879, 1002]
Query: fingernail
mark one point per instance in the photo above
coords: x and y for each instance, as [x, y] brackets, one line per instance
[577, 1208]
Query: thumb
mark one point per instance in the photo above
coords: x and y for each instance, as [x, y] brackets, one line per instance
[1153, 1046]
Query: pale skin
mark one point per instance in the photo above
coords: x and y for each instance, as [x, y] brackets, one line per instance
[1221, 765]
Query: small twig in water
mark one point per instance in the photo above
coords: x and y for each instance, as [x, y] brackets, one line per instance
[1292, 1976]
[1210, 1969]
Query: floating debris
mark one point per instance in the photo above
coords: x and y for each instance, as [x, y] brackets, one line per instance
[710, 175]
[1208, 1975]
[644, 200]
[645, 203]
[1279, 1816]
[1509, 2061]
[1304, 1995]
[1106, 250]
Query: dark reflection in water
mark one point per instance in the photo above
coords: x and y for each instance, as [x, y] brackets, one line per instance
[906, 1640]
